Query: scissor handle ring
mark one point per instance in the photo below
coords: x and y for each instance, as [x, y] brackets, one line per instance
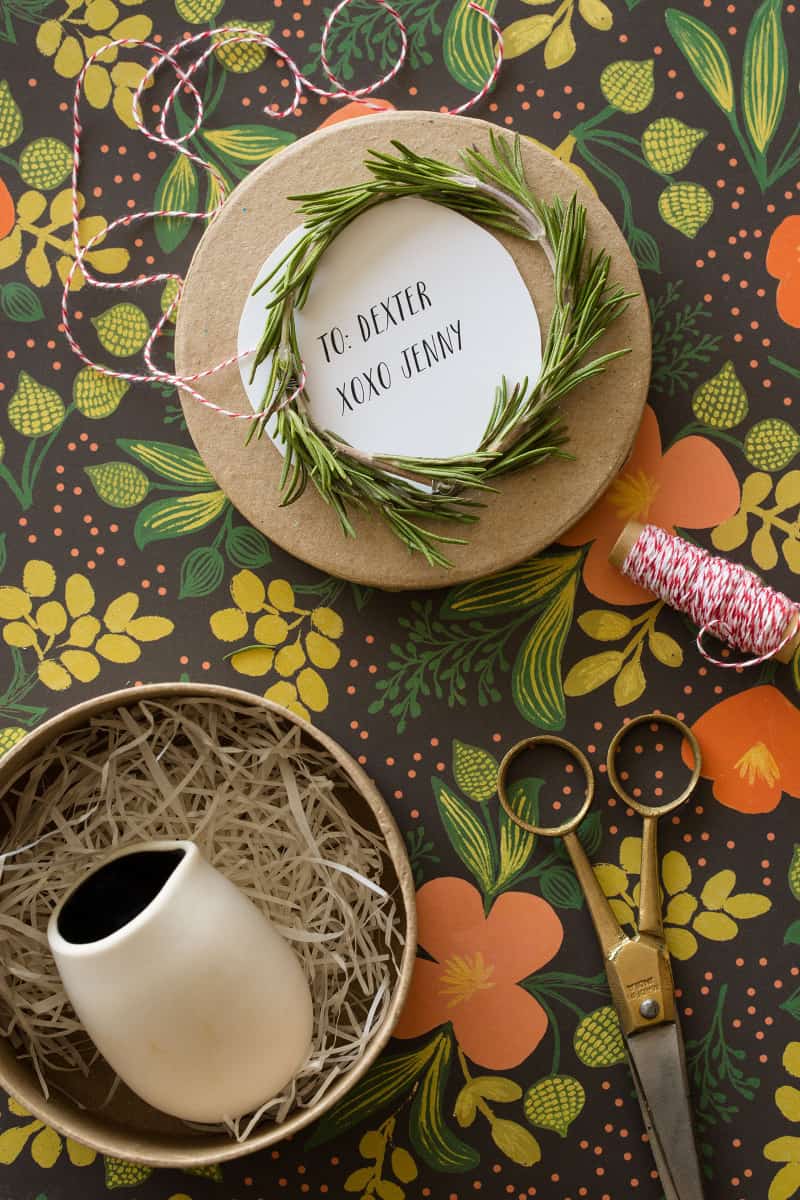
[653, 810]
[546, 739]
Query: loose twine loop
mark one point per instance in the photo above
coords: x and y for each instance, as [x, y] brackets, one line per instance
[722, 598]
[231, 35]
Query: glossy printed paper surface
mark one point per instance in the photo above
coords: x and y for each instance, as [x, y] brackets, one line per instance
[122, 561]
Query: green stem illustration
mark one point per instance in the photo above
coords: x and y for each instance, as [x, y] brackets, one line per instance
[712, 1063]
[696, 427]
[550, 986]
[35, 454]
[786, 367]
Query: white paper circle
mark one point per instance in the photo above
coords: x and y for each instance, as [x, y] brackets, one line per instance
[414, 316]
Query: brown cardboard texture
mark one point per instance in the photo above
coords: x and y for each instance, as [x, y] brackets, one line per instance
[532, 506]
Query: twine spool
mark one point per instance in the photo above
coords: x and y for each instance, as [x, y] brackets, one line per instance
[721, 597]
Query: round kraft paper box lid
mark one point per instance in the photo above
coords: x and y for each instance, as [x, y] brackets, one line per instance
[531, 507]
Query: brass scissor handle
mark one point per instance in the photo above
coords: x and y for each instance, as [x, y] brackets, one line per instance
[653, 810]
[547, 739]
[569, 748]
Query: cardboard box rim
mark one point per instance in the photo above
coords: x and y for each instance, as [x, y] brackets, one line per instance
[532, 507]
[197, 1150]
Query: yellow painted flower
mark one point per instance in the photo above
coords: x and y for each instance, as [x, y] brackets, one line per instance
[84, 28]
[293, 642]
[712, 915]
[68, 640]
[554, 29]
[46, 1146]
[53, 237]
[786, 1149]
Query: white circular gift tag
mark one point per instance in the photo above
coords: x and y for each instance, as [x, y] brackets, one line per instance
[414, 316]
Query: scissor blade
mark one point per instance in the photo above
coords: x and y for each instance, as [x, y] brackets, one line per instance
[659, 1072]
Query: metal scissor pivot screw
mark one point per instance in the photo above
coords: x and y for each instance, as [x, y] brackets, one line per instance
[649, 1009]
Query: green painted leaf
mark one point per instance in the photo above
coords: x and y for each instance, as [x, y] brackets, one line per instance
[247, 547]
[202, 571]
[241, 57]
[705, 54]
[668, 144]
[467, 834]
[554, 1103]
[590, 835]
[792, 935]
[178, 464]
[122, 1174]
[120, 484]
[765, 74]
[497, 1088]
[513, 590]
[792, 1005]
[665, 649]
[560, 887]
[521, 36]
[403, 1165]
[358, 1180]
[794, 872]
[468, 44]
[433, 1141]
[592, 672]
[3, 552]
[536, 680]
[212, 1171]
[604, 625]
[178, 191]
[10, 112]
[598, 1038]
[389, 1079]
[516, 844]
[516, 1142]
[645, 249]
[20, 303]
[248, 145]
[122, 330]
[628, 85]
[475, 771]
[465, 1110]
[176, 515]
[630, 683]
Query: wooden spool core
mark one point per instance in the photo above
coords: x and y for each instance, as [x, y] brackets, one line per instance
[625, 543]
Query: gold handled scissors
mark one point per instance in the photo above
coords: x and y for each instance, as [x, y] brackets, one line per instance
[638, 968]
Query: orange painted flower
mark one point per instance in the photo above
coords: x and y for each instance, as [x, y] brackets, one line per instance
[749, 744]
[6, 210]
[357, 108]
[783, 263]
[479, 962]
[691, 486]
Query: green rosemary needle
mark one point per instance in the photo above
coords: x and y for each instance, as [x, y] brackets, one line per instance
[525, 426]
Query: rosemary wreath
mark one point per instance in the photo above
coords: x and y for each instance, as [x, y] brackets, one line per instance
[525, 426]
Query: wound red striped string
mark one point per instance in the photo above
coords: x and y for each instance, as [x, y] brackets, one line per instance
[172, 59]
[722, 598]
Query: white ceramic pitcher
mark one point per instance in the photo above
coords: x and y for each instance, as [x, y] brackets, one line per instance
[187, 991]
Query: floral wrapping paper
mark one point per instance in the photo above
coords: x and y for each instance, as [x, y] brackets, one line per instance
[120, 561]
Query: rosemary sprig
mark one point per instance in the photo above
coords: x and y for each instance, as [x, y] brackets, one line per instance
[525, 426]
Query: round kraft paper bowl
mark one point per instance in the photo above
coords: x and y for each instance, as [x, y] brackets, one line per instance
[533, 506]
[126, 1127]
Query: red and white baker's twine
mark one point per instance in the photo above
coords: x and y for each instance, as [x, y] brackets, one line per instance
[722, 598]
[227, 36]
